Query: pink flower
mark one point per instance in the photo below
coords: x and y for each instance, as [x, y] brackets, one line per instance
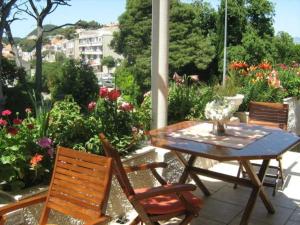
[103, 92]
[92, 106]
[6, 112]
[45, 142]
[273, 79]
[12, 131]
[17, 121]
[36, 159]
[126, 106]
[3, 122]
[28, 110]
[114, 94]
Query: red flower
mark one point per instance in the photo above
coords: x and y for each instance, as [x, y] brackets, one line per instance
[6, 112]
[126, 106]
[114, 94]
[238, 65]
[17, 121]
[36, 159]
[12, 131]
[28, 110]
[92, 106]
[3, 122]
[103, 92]
[265, 66]
[30, 126]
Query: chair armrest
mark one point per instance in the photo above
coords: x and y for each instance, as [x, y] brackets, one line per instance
[129, 169]
[99, 221]
[22, 204]
[162, 190]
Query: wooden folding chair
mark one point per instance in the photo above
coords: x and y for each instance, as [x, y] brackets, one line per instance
[156, 203]
[270, 115]
[79, 188]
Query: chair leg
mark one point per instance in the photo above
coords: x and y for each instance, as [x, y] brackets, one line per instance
[240, 171]
[281, 171]
[187, 219]
[136, 221]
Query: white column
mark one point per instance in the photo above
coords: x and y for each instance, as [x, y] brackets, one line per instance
[160, 62]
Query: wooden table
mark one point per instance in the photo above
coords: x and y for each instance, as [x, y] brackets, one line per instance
[266, 148]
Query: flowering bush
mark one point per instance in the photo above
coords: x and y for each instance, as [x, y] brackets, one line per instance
[117, 117]
[25, 158]
[266, 82]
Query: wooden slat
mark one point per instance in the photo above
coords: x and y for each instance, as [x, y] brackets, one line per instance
[76, 194]
[79, 188]
[81, 170]
[71, 209]
[83, 163]
[83, 183]
[77, 201]
[83, 156]
[83, 177]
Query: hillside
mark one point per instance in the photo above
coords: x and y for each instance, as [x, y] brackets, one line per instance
[297, 40]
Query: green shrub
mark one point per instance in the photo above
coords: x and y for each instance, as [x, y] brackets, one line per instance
[78, 80]
[67, 125]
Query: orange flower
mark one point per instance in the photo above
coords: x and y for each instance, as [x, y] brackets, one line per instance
[36, 159]
[265, 66]
[259, 76]
[237, 65]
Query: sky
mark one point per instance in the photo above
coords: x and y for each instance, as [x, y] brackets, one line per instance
[287, 16]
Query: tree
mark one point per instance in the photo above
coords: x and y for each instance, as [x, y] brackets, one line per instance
[39, 11]
[76, 79]
[109, 62]
[5, 9]
[284, 48]
[260, 15]
[192, 34]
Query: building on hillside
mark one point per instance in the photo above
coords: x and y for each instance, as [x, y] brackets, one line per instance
[94, 45]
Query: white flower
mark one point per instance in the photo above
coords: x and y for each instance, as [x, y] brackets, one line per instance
[220, 110]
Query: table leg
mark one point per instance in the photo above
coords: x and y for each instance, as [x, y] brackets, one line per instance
[258, 189]
[187, 172]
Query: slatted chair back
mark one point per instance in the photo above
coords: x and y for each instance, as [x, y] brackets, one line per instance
[269, 114]
[80, 185]
[118, 168]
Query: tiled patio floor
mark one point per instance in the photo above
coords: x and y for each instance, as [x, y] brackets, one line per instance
[226, 205]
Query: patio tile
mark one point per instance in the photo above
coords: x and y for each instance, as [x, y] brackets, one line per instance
[219, 211]
[260, 216]
[295, 216]
[204, 221]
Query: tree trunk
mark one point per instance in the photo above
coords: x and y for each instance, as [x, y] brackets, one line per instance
[2, 100]
[13, 45]
[39, 60]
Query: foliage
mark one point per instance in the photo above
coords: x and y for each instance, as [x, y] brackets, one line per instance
[259, 83]
[231, 88]
[88, 24]
[117, 118]
[126, 83]
[188, 102]
[11, 73]
[27, 45]
[77, 79]
[68, 127]
[191, 38]
[284, 48]
[50, 71]
[260, 14]
[109, 62]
